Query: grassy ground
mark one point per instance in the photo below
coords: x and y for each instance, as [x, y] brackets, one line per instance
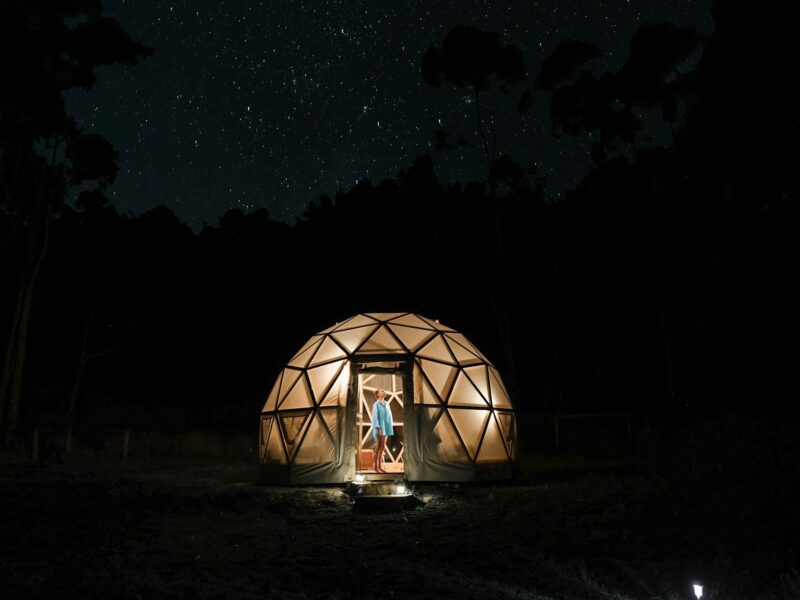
[103, 528]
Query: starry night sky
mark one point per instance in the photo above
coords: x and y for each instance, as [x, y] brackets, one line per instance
[271, 104]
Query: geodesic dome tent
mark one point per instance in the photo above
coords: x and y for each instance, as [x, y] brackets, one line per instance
[453, 417]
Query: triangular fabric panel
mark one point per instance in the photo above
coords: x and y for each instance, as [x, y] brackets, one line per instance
[293, 425]
[411, 321]
[266, 422]
[480, 379]
[332, 399]
[397, 316]
[272, 400]
[446, 441]
[499, 393]
[466, 394]
[321, 377]
[328, 350]
[299, 397]
[331, 418]
[316, 447]
[337, 395]
[441, 376]
[352, 338]
[410, 336]
[289, 378]
[460, 338]
[428, 395]
[492, 447]
[437, 350]
[302, 358]
[428, 416]
[357, 321]
[494, 372]
[275, 451]
[463, 356]
[506, 420]
[383, 316]
[315, 339]
[382, 341]
[470, 424]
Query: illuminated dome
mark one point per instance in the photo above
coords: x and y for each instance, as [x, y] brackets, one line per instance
[453, 419]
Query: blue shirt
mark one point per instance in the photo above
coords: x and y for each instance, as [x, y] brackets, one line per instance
[382, 418]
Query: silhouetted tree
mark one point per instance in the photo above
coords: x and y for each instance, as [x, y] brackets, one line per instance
[562, 65]
[613, 104]
[708, 217]
[475, 59]
[43, 154]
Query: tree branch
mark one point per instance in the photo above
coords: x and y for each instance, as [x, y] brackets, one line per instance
[482, 132]
[115, 347]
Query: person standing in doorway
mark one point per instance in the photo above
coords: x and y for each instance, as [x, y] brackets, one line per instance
[382, 428]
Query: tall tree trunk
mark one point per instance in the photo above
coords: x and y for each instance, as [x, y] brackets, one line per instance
[10, 353]
[73, 397]
[499, 295]
[21, 346]
[38, 238]
[82, 360]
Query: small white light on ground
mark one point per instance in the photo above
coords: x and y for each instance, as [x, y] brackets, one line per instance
[698, 590]
[401, 489]
[359, 478]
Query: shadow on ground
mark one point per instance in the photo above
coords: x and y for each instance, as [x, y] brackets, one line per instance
[571, 528]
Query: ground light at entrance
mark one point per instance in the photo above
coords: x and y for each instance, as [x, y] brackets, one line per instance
[377, 496]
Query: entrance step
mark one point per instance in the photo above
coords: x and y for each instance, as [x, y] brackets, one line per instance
[380, 476]
[381, 495]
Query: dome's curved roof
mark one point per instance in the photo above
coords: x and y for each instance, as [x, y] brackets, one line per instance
[448, 359]
[389, 333]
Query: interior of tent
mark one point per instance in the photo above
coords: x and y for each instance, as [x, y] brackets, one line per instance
[369, 381]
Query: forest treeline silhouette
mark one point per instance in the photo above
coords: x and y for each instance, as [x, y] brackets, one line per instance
[665, 283]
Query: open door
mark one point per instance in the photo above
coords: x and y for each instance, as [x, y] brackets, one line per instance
[391, 381]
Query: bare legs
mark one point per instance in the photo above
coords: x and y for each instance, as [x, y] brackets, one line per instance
[384, 440]
[380, 448]
[376, 451]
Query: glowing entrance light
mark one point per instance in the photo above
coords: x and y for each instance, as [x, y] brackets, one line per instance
[400, 489]
[698, 590]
